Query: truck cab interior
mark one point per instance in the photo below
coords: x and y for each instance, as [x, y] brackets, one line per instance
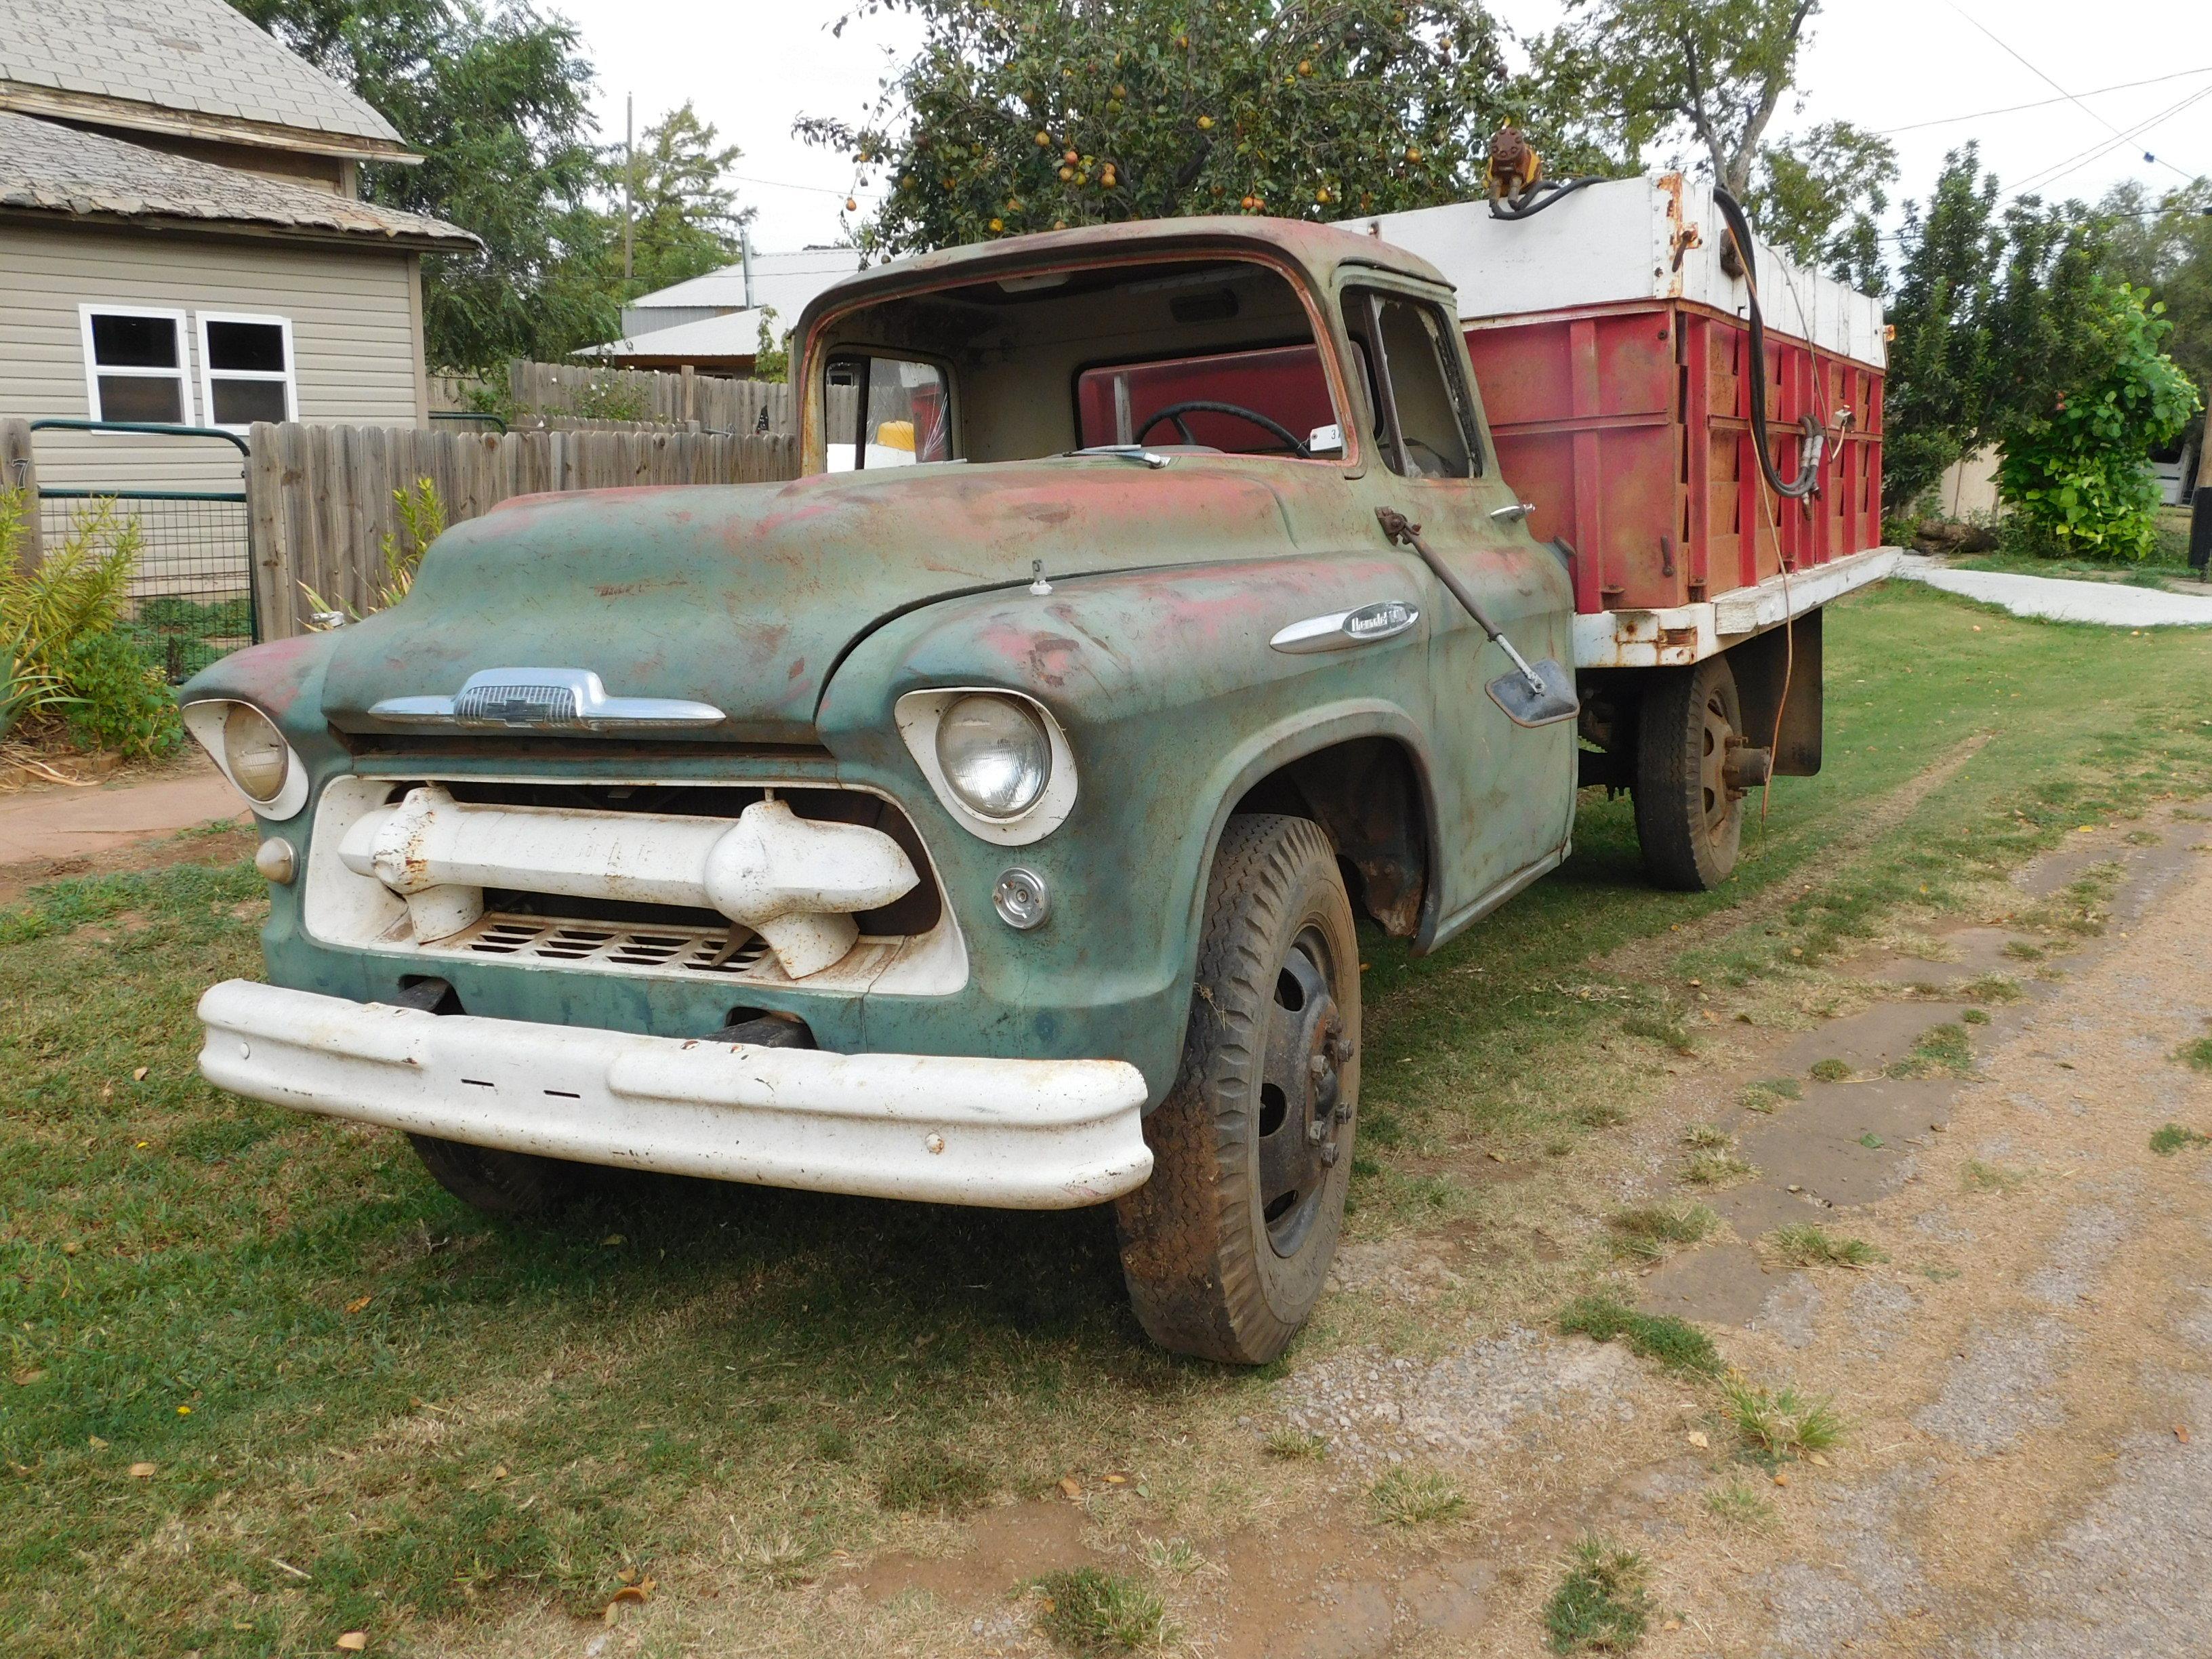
[1210, 353]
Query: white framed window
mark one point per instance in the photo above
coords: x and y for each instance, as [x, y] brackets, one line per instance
[135, 364]
[246, 369]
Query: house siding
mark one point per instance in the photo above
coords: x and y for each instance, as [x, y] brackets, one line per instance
[355, 337]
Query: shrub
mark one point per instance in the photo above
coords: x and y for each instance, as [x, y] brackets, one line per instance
[78, 589]
[2074, 473]
[121, 700]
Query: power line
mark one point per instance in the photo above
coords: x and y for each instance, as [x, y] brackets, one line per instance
[2039, 103]
[2073, 163]
[818, 190]
[2055, 87]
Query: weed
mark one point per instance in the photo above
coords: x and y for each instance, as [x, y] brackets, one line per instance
[1645, 1231]
[1978, 1176]
[1716, 1169]
[1407, 1497]
[2020, 951]
[1976, 1015]
[2167, 1141]
[1872, 1142]
[1941, 1052]
[1832, 1071]
[833, 1446]
[1087, 1611]
[1991, 987]
[2143, 838]
[1601, 1115]
[1808, 1245]
[2197, 1056]
[931, 1478]
[1661, 1338]
[1707, 1136]
[1770, 1092]
[1781, 1423]
[1295, 1445]
[1741, 1504]
[1602, 1605]
[1665, 1029]
[1178, 1556]
[781, 1560]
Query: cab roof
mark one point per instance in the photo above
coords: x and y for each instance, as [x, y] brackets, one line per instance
[1317, 251]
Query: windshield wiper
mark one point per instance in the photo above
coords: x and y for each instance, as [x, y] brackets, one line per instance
[1137, 453]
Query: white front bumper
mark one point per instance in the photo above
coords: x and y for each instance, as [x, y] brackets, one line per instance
[1032, 1135]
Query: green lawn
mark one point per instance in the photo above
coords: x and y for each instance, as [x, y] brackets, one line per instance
[366, 1407]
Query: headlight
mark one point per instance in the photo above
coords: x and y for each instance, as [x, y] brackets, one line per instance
[995, 754]
[254, 751]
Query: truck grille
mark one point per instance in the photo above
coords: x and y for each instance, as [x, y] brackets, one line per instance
[911, 947]
[690, 950]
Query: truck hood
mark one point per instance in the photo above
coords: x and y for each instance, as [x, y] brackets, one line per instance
[747, 596]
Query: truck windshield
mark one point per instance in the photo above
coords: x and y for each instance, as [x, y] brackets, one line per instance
[1208, 354]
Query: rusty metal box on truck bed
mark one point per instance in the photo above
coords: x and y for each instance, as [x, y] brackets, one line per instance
[1611, 344]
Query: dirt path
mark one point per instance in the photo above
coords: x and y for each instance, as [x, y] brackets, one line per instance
[2024, 1379]
[57, 830]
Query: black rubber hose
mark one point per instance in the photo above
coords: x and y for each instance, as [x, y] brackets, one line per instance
[1809, 479]
[1535, 199]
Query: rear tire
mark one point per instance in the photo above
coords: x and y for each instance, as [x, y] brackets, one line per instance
[510, 1185]
[1226, 1248]
[1688, 822]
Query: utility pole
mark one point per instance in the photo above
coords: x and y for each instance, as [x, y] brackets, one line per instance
[2200, 515]
[629, 174]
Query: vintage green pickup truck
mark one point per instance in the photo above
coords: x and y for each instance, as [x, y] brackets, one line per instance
[990, 815]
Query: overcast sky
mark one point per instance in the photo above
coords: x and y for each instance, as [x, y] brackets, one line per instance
[751, 67]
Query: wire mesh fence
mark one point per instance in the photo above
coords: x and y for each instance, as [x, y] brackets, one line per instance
[191, 588]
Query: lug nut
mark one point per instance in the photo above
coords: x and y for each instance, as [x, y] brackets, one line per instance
[1315, 1131]
[1328, 1155]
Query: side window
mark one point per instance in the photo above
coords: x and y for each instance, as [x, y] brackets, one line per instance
[134, 365]
[246, 369]
[1424, 416]
[886, 411]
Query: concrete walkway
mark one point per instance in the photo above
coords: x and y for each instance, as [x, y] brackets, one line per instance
[2114, 604]
[43, 825]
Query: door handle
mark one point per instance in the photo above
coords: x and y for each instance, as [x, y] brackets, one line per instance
[1514, 513]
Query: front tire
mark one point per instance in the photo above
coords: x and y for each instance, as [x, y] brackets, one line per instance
[1226, 1248]
[512, 1186]
[1688, 821]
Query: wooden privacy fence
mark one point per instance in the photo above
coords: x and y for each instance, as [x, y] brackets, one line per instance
[322, 498]
[654, 396]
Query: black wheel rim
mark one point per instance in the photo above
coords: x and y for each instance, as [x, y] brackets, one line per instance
[1303, 1111]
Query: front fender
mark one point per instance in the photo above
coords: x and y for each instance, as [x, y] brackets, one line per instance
[1174, 705]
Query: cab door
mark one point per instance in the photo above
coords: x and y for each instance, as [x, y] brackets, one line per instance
[1505, 792]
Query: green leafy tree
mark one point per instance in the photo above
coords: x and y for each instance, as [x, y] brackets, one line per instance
[1936, 392]
[497, 101]
[1620, 77]
[2165, 252]
[685, 217]
[1821, 196]
[1024, 115]
[2074, 468]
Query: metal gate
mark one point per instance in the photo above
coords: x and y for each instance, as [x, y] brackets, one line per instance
[192, 591]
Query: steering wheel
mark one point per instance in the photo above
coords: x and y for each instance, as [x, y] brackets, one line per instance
[1201, 406]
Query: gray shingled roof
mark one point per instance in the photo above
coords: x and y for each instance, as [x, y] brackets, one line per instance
[201, 56]
[62, 170]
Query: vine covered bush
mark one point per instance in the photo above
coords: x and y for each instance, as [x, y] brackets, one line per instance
[2077, 473]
